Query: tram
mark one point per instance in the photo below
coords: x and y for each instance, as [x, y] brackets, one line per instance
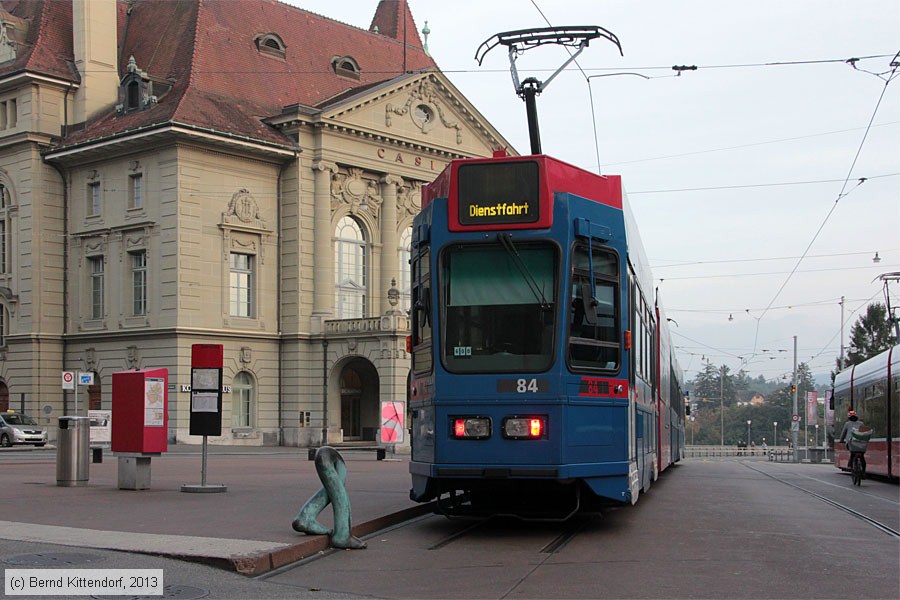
[543, 377]
[872, 389]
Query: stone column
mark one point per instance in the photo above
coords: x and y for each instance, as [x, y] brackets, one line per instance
[323, 273]
[390, 268]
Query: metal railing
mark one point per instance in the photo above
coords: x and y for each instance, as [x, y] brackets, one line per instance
[773, 453]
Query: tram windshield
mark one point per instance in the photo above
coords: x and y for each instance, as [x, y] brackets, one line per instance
[498, 307]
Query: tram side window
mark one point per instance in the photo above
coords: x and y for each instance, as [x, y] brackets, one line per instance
[421, 312]
[643, 337]
[594, 343]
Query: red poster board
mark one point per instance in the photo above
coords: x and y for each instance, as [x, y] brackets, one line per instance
[140, 406]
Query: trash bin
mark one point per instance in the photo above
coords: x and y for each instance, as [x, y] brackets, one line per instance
[73, 451]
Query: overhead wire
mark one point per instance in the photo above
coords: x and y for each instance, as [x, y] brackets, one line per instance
[757, 185]
[745, 260]
[842, 194]
[750, 145]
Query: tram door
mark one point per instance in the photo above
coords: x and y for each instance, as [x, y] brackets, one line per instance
[351, 404]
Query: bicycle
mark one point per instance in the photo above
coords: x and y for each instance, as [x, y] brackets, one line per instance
[856, 468]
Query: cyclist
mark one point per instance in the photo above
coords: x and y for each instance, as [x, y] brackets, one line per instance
[856, 447]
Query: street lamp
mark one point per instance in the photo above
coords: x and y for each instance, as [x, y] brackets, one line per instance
[817, 435]
[775, 438]
[748, 431]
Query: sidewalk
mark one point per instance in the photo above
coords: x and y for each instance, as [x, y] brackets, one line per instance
[247, 528]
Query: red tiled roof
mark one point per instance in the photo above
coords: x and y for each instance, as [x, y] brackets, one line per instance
[394, 19]
[47, 49]
[207, 49]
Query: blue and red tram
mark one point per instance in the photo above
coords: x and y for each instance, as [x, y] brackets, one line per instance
[543, 377]
[872, 389]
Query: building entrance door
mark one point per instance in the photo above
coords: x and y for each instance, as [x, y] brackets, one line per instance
[351, 398]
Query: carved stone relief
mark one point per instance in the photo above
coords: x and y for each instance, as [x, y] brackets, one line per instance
[360, 193]
[90, 359]
[131, 357]
[409, 197]
[424, 108]
[243, 209]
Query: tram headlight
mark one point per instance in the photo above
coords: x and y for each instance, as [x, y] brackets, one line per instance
[471, 428]
[525, 428]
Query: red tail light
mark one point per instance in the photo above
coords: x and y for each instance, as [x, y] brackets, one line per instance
[525, 428]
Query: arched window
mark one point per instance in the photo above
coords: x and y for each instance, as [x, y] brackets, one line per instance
[350, 250]
[271, 44]
[345, 66]
[404, 284]
[243, 393]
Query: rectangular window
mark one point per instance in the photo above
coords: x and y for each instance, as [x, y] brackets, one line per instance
[241, 409]
[139, 282]
[421, 313]
[3, 123]
[93, 199]
[594, 336]
[96, 265]
[13, 116]
[136, 191]
[241, 285]
[3, 253]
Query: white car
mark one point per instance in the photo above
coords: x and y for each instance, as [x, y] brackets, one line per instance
[18, 428]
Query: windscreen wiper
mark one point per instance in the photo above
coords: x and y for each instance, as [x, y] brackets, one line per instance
[505, 240]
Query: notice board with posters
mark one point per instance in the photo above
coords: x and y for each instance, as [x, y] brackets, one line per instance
[206, 389]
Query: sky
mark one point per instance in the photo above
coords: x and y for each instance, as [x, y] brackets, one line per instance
[744, 174]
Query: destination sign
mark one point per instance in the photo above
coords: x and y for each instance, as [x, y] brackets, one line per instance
[498, 193]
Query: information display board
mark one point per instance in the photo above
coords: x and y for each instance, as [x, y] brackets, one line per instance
[206, 389]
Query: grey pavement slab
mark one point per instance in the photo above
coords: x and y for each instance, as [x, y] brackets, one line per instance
[247, 528]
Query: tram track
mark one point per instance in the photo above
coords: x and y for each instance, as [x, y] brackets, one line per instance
[570, 531]
[873, 522]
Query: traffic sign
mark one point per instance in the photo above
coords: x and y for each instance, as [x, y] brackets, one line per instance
[68, 380]
[85, 378]
[795, 418]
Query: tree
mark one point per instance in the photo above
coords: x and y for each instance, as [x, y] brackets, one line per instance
[870, 335]
[715, 384]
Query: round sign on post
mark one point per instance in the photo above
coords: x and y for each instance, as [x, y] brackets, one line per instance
[68, 380]
[795, 418]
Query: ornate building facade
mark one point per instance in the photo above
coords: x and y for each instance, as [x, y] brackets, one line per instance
[175, 172]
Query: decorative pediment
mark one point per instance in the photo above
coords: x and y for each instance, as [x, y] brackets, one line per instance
[423, 109]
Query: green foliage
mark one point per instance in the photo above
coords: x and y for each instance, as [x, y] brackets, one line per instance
[870, 335]
[707, 427]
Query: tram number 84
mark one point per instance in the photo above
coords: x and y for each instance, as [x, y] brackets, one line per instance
[523, 386]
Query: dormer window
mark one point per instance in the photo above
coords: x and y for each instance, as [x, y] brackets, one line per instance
[345, 66]
[271, 45]
[135, 90]
[133, 96]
